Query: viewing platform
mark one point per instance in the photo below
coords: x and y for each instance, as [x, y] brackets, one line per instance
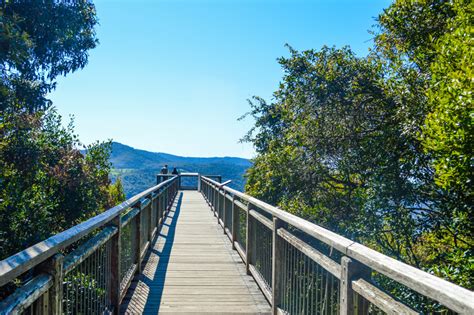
[192, 245]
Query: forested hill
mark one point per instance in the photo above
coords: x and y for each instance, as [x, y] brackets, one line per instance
[138, 168]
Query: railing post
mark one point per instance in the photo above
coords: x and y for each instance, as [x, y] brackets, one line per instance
[350, 269]
[150, 216]
[277, 261]
[235, 222]
[54, 267]
[155, 209]
[248, 241]
[138, 237]
[199, 182]
[224, 201]
[115, 266]
[218, 203]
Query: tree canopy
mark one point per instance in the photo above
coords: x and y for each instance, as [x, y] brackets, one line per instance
[46, 183]
[40, 40]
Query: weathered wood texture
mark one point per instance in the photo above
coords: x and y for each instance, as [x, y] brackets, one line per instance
[448, 294]
[191, 268]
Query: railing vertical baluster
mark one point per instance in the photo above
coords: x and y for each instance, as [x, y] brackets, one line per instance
[115, 267]
[277, 270]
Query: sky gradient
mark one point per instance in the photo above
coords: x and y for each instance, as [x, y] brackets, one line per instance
[173, 76]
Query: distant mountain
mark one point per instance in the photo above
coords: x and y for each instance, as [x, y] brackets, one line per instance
[138, 168]
[124, 156]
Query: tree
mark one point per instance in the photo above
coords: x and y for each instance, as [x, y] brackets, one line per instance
[46, 183]
[40, 40]
[379, 148]
[428, 46]
[337, 154]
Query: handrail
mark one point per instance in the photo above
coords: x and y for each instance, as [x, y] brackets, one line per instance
[448, 294]
[100, 270]
[15, 265]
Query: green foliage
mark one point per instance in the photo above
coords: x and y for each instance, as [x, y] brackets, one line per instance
[448, 133]
[379, 148]
[46, 183]
[116, 192]
[40, 40]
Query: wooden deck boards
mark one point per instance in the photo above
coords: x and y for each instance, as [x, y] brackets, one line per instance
[192, 269]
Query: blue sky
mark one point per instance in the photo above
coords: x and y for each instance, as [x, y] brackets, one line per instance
[173, 76]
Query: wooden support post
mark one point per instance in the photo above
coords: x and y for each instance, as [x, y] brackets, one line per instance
[155, 201]
[224, 201]
[54, 267]
[248, 243]
[138, 238]
[235, 222]
[277, 261]
[150, 210]
[115, 279]
[218, 199]
[350, 269]
[158, 205]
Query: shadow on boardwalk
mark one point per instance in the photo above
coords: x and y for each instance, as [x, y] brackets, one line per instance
[157, 276]
[192, 269]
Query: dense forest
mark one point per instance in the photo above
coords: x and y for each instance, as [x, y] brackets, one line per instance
[379, 148]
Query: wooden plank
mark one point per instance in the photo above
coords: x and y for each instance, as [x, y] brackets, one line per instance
[85, 250]
[129, 216]
[452, 296]
[380, 299]
[23, 297]
[261, 282]
[241, 206]
[262, 219]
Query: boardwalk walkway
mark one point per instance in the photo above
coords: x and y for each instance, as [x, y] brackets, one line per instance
[192, 268]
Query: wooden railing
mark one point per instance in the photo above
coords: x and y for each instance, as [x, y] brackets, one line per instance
[87, 269]
[300, 267]
[303, 268]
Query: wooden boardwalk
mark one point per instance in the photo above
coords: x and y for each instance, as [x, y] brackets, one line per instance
[191, 268]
